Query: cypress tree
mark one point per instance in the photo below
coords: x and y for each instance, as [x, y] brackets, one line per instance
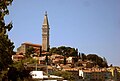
[6, 46]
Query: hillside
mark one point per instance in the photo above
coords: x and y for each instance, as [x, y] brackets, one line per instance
[72, 52]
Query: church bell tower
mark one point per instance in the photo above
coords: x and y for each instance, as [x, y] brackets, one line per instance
[45, 34]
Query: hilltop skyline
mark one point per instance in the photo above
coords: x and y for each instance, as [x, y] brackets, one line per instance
[91, 26]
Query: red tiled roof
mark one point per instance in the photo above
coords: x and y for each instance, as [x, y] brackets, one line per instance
[26, 43]
[45, 53]
[17, 55]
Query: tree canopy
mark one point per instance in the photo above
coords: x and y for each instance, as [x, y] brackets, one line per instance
[101, 62]
[30, 51]
[6, 46]
[66, 75]
[67, 51]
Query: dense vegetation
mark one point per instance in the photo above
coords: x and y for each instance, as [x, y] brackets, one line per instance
[68, 51]
[6, 46]
[17, 72]
[66, 75]
[101, 62]
[29, 52]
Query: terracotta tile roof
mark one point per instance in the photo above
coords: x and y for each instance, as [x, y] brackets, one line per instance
[18, 55]
[94, 70]
[70, 69]
[44, 53]
[26, 43]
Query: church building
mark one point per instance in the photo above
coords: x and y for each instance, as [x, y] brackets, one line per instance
[39, 49]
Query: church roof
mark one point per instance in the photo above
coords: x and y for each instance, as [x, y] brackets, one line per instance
[45, 22]
[30, 44]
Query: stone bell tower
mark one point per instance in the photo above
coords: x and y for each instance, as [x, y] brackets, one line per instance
[45, 34]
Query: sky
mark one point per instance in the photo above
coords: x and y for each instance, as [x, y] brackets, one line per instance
[92, 26]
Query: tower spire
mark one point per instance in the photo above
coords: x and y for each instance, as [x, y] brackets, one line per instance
[45, 22]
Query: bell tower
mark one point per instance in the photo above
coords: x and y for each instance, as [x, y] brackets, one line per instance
[45, 34]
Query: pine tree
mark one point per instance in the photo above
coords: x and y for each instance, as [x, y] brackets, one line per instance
[6, 46]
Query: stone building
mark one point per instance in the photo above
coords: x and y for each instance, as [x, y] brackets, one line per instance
[39, 49]
[24, 46]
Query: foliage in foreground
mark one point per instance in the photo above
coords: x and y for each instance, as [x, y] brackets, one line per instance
[6, 46]
[18, 72]
[20, 64]
[66, 75]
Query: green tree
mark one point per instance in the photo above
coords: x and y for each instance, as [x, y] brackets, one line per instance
[79, 55]
[66, 75]
[30, 50]
[6, 46]
[83, 56]
[97, 60]
[23, 71]
[68, 51]
[54, 50]
[104, 63]
[64, 60]
[46, 59]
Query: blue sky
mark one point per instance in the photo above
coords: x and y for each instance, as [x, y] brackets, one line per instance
[92, 26]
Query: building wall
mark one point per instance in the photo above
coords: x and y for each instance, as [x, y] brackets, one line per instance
[95, 75]
[23, 48]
